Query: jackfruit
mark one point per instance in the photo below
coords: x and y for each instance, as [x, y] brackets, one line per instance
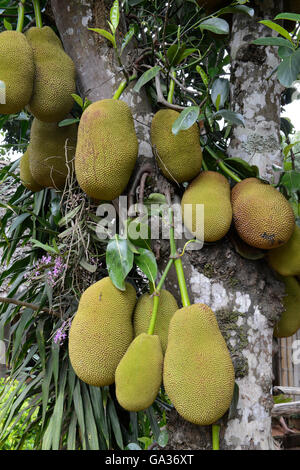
[107, 149]
[139, 373]
[16, 72]
[54, 79]
[286, 259]
[198, 373]
[101, 331]
[212, 190]
[26, 176]
[262, 216]
[143, 311]
[178, 156]
[51, 151]
[289, 322]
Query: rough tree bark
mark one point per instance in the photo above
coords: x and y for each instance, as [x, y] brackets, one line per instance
[244, 295]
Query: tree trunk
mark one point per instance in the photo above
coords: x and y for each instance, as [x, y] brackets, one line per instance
[244, 294]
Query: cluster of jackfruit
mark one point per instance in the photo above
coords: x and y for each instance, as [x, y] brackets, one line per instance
[109, 342]
[37, 73]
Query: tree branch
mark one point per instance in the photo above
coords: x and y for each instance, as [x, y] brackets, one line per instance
[7, 300]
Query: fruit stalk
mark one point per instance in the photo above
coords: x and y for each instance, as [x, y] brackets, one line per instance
[178, 263]
[122, 86]
[37, 13]
[171, 86]
[156, 298]
[222, 165]
[215, 436]
[21, 14]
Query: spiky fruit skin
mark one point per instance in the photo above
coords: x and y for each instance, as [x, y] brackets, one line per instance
[289, 322]
[198, 373]
[25, 174]
[212, 190]
[51, 151]
[139, 373]
[16, 71]
[54, 79]
[101, 331]
[286, 259]
[107, 149]
[178, 156]
[262, 216]
[142, 315]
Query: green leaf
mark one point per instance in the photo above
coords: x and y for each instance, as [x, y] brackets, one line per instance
[115, 15]
[215, 25]
[91, 268]
[163, 438]
[186, 119]
[78, 99]
[105, 34]
[220, 88]
[146, 261]
[244, 168]
[279, 29]
[153, 422]
[71, 442]
[68, 122]
[115, 424]
[78, 405]
[291, 180]
[69, 216]
[119, 261]
[7, 24]
[127, 38]
[231, 116]
[289, 69]
[271, 41]
[288, 16]
[133, 446]
[91, 428]
[146, 77]
[58, 409]
[43, 246]
[234, 402]
[238, 9]
[203, 75]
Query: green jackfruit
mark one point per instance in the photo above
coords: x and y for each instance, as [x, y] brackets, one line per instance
[213, 191]
[107, 149]
[26, 176]
[286, 259]
[262, 216]
[101, 331]
[16, 72]
[178, 156]
[142, 315]
[51, 151]
[54, 80]
[139, 373]
[198, 372]
[289, 322]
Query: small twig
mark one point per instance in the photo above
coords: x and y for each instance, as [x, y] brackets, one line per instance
[7, 300]
[161, 99]
[147, 168]
[142, 187]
